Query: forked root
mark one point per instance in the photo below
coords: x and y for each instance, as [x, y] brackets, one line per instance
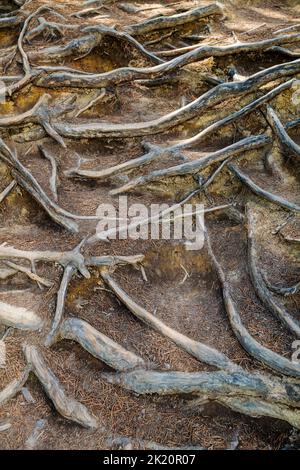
[14, 387]
[250, 395]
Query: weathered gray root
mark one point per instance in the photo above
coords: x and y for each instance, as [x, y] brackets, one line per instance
[74, 78]
[281, 133]
[248, 394]
[258, 280]
[19, 317]
[84, 45]
[247, 181]
[161, 22]
[60, 304]
[29, 183]
[200, 351]
[282, 290]
[113, 261]
[7, 190]
[156, 152]
[53, 178]
[65, 405]
[14, 387]
[269, 358]
[61, 257]
[99, 345]
[33, 276]
[244, 145]
[187, 112]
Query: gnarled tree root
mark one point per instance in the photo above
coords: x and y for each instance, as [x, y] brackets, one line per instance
[247, 181]
[269, 358]
[65, 405]
[161, 22]
[199, 350]
[244, 145]
[19, 317]
[99, 345]
[14, 387]
[259, 284]
[281, 133]
[251, 395]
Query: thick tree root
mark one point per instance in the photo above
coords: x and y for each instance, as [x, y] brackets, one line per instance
[258, 280]
[65, 405]
[254, 348]
[161, 22]
[247, 181]
[7, 190]
[82, 46]
[250, 395]
[282, 290]
[14, 387]
[19, 317]
[99, 345]
[281, 133]
[61, 257]
[125, 74]
[199, 350]
[156, 152]
[244, 145]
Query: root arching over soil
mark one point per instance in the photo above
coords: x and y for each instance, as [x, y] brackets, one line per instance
[144, 343]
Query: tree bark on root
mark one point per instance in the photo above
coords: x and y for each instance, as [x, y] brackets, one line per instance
[269, 358]
[250, 395]
[65, 405]
[247, 181]
[99, 345]
[259, 284]
[199, 350]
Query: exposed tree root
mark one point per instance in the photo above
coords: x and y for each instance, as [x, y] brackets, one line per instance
[99, 345]
[7, 190]
[238, 392]
[244, 145]
[172, 21]
[174, 150]
[85, 44]
[19, 317]
[281, 133]
[282, 290]
[14, 387]
[259, 284]
[199, 350]
[280, 201]
[254, 348]
[76, 79]
[64, 258]
[65, 405]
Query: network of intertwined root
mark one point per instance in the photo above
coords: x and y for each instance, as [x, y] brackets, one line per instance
[275, 394]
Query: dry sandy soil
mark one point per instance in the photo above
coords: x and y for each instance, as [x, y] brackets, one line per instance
[193, 307]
